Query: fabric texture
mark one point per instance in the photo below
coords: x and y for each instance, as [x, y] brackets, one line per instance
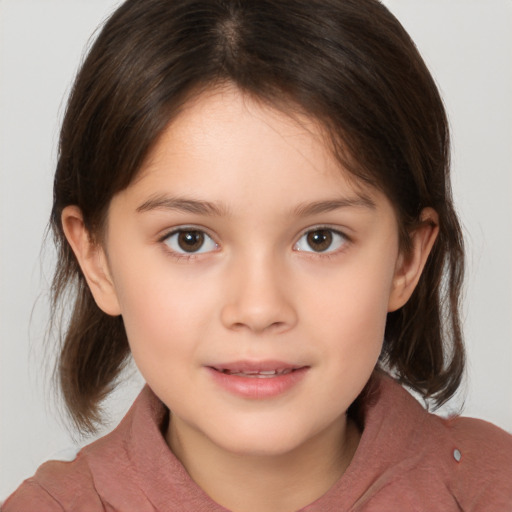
[407, 460]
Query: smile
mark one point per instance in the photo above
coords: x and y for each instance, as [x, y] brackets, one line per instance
[257, 380]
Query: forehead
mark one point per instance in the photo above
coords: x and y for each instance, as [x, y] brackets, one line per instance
[227, 141]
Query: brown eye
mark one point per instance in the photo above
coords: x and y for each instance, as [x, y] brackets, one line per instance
[190, 241]
[321, 240]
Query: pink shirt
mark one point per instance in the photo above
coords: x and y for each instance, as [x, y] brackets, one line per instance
[407, 460]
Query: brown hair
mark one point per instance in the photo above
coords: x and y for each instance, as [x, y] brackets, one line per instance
[348, 63]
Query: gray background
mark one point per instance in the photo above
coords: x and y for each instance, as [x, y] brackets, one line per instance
[467, 44]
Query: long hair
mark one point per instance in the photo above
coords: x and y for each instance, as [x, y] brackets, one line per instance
[347, 63]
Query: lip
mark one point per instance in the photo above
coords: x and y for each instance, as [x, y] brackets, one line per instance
[259, 382]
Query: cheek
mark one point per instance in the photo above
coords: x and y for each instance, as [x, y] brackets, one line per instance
[162, 336]
[356, 336]
[354, 296]
[162, 311]
[350, 310]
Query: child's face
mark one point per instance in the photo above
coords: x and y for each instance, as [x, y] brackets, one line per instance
[242, 246]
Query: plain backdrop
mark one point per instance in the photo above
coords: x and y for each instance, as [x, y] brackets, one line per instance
[468, 46]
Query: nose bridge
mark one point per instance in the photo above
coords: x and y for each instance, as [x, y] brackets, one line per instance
[258, 296]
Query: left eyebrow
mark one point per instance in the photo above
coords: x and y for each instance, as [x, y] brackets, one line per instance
[307, 209]
[199, 207]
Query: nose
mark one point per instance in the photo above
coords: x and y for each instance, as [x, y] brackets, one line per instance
[258, 297]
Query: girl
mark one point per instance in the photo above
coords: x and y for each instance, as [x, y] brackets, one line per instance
[252, 199]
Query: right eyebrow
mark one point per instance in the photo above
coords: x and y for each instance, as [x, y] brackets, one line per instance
[182, 204]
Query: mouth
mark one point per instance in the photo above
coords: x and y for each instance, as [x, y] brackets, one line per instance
[257, 380]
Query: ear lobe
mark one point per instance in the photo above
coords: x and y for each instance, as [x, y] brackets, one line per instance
[92, 260]
[410, 266]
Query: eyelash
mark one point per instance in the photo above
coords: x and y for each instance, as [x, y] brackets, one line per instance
[177, 254]
[342, 240]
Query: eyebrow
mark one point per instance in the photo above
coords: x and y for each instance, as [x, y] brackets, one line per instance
[201, 207]
[361, 201]
[181, 204]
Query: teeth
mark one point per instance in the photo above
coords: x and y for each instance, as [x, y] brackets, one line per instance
[259, 374]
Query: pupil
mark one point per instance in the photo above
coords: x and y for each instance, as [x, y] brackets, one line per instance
[320, 240]
[190, 241]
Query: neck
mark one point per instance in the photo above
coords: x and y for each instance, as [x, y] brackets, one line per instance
[274, 483]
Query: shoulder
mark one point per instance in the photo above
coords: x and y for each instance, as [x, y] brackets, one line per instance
[465, 461]
[482, 445]
[482, 441]
[103, 472]
[56, 486]
[474, 460]
[484, 469]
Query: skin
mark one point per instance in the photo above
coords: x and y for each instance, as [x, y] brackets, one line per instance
[255, 182]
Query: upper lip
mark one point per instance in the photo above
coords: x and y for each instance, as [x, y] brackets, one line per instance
[255, 366]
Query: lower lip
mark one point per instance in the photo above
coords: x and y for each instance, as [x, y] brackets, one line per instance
[258, 388]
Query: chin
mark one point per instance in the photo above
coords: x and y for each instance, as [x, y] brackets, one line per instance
[261, 441]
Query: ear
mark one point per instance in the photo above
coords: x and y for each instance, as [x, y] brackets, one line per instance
[410, 266]
[92, 260]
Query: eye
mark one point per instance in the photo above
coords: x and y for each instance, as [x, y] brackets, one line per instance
[190, 241]
[321, 240]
